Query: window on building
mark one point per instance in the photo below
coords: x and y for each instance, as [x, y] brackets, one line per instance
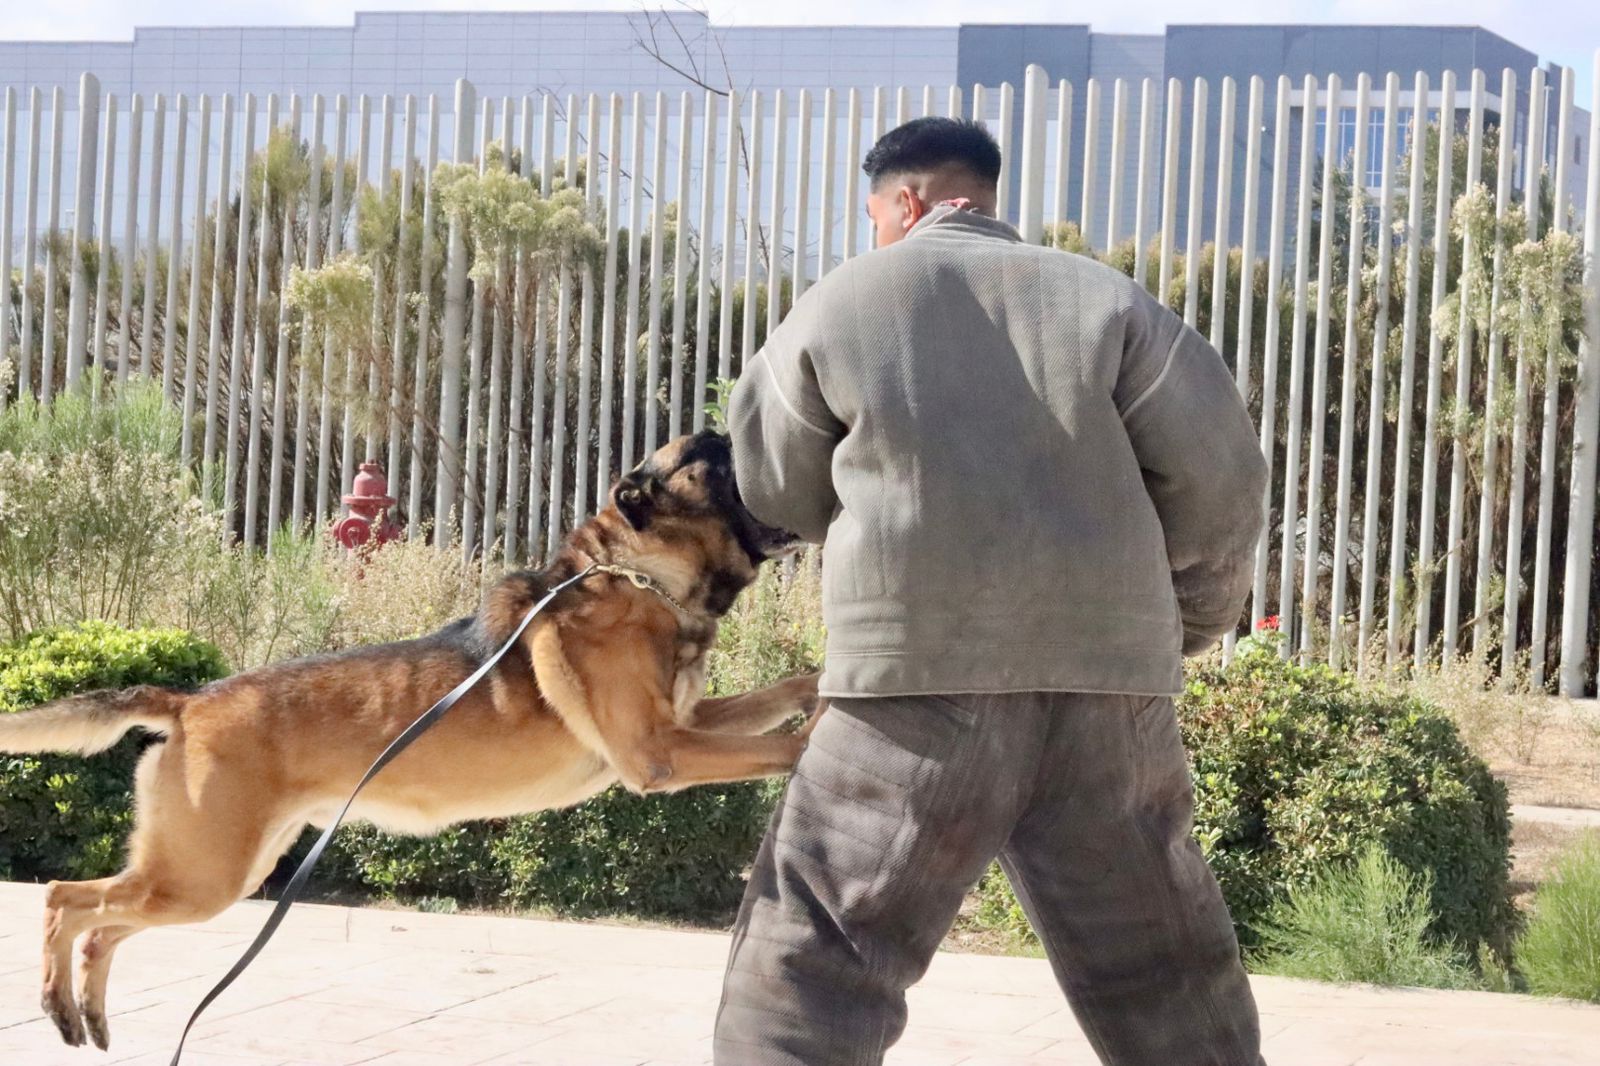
[1375, 148]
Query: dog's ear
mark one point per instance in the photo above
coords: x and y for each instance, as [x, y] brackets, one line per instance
[635, 497]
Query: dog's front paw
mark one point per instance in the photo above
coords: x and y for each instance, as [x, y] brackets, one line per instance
[802, 692]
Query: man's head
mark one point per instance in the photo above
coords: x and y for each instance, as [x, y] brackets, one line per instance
[914, 166]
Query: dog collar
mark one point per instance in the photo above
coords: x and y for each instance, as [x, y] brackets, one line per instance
[640, 580]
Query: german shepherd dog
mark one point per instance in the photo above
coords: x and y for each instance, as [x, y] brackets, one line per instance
[607, 684]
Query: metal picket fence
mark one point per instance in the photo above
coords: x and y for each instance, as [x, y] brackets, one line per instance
[502, 422]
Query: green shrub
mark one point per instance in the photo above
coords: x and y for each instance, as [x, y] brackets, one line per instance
[1365, 923]
[1297, 769]
[674, 856]
[65, 816]
[96, 512]
[1559, 953]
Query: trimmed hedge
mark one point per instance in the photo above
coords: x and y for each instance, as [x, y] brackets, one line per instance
[677, 856]
[63, 816]
[1297, 769]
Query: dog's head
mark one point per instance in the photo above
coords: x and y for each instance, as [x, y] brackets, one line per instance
[689, 483]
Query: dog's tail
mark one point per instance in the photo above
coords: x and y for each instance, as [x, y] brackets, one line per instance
[91, 722]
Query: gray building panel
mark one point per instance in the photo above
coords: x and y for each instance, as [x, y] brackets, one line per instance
[992, 54]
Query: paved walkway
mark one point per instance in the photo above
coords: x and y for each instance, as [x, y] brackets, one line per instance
[1567, 817]
[393, 988]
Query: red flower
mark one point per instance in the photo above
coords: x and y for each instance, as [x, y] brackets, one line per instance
[1269, 622]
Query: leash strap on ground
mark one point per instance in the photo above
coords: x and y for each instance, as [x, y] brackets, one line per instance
[297, 883]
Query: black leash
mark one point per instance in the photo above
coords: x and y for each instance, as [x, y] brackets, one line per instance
[297, 883]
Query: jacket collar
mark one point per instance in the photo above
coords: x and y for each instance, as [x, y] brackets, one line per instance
[947, 217]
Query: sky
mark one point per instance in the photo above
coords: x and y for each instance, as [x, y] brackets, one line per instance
[1562, 31]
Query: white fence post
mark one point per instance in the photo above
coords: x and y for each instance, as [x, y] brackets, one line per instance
[402, 270]
[730, 222]
[169, 318]
[1169, 187]
[102, 274]
[236, 343]
[47, 347]
[1091, 142]
[1349, 371]
[219, 249]
[191, 349]
[1119, 124]
[279, 441]
[1272, 341]
[1195, 209]
[1399, 504]
[752, 233]
[130, 235]
[780, 144]
[1533, 161]
[1312, 555]
[608, 307]
[8, 193]
[82, 222]
[555, 521]
[802, 196]
[1058, 211]
[1491, 396]
[302, 421]
[258, 346]
[680, 275]
[1289, 545]
[1552, 404]
[1586, 434]
[650, 404]
[517, 437]
[1427, 513]
[30, 241]
[1007, 116]
[452, 339]
[702, 298]
[147, 319]
[852, 175]
[1031, 214]
[1148, 123]
[1455, 549]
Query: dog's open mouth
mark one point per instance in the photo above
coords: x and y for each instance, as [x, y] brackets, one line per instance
[770, 542]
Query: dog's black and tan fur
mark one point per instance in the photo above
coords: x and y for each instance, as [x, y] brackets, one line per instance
[606, 685]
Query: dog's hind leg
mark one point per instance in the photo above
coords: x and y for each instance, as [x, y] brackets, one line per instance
[94, 968]
[192, 854]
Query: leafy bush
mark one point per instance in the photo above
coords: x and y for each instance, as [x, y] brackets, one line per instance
[64, 816]
[1559, 954]
[96, 512]
[672, 856]
[1297, 769]
[1367, 923]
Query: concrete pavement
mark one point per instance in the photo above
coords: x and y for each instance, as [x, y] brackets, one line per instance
[341, 986]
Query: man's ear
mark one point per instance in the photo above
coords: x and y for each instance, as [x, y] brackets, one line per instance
[634, 497]
[911, 206]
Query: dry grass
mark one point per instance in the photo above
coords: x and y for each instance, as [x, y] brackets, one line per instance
[1535, 847]
[1547, 750]
[406, 589]
[1565, 768]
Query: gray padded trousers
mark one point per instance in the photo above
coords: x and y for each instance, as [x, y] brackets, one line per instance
[895, 810]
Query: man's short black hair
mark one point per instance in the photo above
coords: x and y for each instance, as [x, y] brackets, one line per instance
[925, 144]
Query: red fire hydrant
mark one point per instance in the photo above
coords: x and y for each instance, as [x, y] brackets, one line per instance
[369, 503]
